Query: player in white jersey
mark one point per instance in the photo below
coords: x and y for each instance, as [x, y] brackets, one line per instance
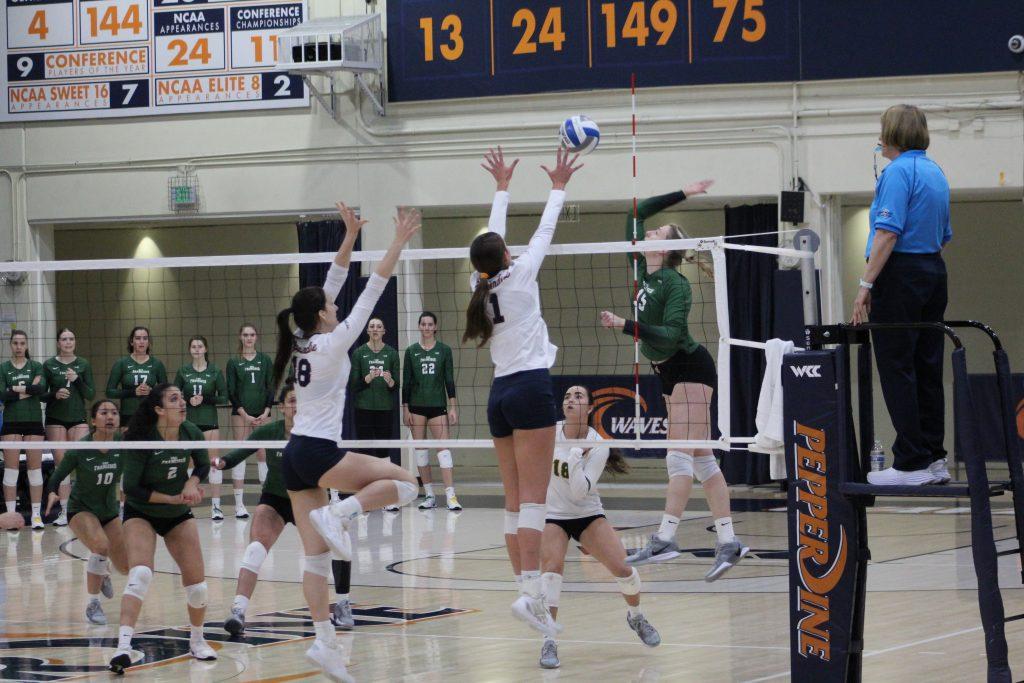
[575, 512]
[505, 310]
[313, 461]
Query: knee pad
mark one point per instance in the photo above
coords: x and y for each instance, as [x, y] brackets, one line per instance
[319, 565]
[705, 467]
[139, 578]
[551, 584]
[532, 516]
[254, 556]
[444, 459]
[406, 492]
[261, 469]
[196, 595]
[35, 477]
[216, 476]
[629, 585]
[511, 522]
[238, 471]
[422, 457]
[679, 464]
[98, 565]
[11, 476]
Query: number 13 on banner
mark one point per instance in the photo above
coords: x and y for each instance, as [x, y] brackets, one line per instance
[112, 21]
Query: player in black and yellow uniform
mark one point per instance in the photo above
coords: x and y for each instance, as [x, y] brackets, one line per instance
[22, 384]
[428, 400]
[93, 510]
[251, 392]
[69, 378]
[160, 492]
[202, 383]
[688, 380]
[134, 376]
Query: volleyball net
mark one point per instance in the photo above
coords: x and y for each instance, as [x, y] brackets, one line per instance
[101, 301]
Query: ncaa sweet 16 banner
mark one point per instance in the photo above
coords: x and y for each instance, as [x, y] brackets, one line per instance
[613, 401]
[76, 59]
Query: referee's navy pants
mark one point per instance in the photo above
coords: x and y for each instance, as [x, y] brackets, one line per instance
[912, 288]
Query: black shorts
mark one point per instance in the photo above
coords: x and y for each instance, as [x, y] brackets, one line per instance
[282, 506]
[207, 428]
[103, 521]
[574, 528]
[23, 429]
[54, 422]
[523, 400]
[687, 368]
[429, 412]
[234, 411]
[161, 525]
[306, 459]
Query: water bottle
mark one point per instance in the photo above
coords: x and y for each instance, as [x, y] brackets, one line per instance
[877, 457]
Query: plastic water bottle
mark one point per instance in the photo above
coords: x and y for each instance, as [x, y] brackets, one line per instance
[877, 457]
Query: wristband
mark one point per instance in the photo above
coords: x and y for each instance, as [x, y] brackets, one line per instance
[866, 285]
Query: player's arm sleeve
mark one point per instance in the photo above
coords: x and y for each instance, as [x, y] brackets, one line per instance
[131, 479]
[6, 393]
[644, 210]
[86, 383]
[113, 389]
[541, 240]
[200, 461]
[268, 378]
[37, 388]
[499, 211]
[674, 325]
[219, 391]
[395, 369]
[60, 472]
[449, 373]
[160, 371]
[232, 380]
[356, 382]
[335, 280]
[947, 232]
[345, 334]
[406, 377]
[179, 380]
[892, 197]
[234, 457]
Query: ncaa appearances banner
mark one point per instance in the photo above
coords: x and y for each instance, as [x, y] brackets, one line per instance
[613, 400]
[78, 59]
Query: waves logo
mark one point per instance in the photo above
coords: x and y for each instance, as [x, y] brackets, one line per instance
[615, 414]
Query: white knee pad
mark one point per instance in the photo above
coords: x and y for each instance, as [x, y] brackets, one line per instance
[406, 492]
[318, 564]
[254, 556]
[532, 516]
[216, 476]
[511, 522]
[679, 464]
[551, 584]
[196, 595]
[444, 459]
[238, 471]
[98, 565]
[35, 477]
[422, 457]
[705, 467]
[139, 578]
[11, 476]
[629, 585]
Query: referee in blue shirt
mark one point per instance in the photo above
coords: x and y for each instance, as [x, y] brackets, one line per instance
[905, 281]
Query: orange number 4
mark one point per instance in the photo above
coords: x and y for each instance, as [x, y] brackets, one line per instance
[37, 27]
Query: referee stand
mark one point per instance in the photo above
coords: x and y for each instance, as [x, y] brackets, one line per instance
[829, 496]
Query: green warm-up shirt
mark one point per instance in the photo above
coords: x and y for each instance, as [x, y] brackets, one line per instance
[209, 384]
[126, 375]
[162, 470]
[428, 378]
[97, 474]
[377, 394]
[16, 408]
[72, 408]
[250, 383]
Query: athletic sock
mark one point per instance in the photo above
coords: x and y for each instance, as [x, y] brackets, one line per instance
[325, 633]
[348, 508]
[215, 502]
[519, 581]
[241, 603]
[124, 637]
[669, 525]
[634, 612]
[11, 504]
[531, 583]
[723, 527]
[36, 507]
[428, 489]
[342, 597]
[450, 492]
[239, 499]
[196, 634]
[262, 469]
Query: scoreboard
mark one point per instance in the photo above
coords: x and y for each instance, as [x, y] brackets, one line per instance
[67, 59]
[441, 49]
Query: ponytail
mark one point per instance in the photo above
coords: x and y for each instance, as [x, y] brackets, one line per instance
[143, 422]
[616, 464]
[285, 345]
[478, 326]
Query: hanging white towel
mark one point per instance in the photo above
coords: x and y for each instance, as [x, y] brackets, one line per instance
[769, 438]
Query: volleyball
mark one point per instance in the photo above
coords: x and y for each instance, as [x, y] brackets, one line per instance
[580, 134]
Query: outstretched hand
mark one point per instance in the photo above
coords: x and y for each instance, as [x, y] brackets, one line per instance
[564, 168]
[407, 223]
[353, 223]
[699, 187]
[494, 163]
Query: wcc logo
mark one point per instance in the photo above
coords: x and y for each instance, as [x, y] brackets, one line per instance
[806, 370]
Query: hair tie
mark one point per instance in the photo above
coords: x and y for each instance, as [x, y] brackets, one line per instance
[484, 276]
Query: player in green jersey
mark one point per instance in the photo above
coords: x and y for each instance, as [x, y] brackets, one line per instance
[160, 492]
[688, 380]
[134, 376]
[22, 384]
[374, 380]
[69, 378]
[251, 393]
[428, 400]
[93, 510]
[202, 383]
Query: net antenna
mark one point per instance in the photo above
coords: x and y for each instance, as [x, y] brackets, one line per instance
[636, 265]
[324, 47]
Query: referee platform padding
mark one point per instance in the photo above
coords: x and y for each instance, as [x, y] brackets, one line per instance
[828, 497]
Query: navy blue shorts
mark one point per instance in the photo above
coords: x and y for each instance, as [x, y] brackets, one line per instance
[524, 400]
[306, 459]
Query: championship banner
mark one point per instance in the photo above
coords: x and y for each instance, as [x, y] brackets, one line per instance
[76, 59]
[613, 399]
[823, 531]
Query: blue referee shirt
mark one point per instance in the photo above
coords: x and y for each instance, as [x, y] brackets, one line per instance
[912, 200]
